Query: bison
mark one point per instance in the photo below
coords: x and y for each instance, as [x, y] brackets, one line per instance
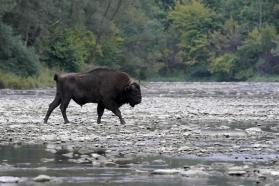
[110, 89]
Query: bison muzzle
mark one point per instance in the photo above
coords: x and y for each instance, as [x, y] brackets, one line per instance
[109, 88]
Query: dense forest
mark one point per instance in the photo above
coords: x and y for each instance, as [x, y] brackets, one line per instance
[185, 40]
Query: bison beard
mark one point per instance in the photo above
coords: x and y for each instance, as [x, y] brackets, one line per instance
[109, 88]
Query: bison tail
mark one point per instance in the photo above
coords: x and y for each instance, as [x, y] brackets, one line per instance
[55, 78]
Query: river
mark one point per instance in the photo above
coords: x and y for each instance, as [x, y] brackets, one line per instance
[181, 134]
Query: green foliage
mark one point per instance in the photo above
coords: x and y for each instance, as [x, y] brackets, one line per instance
[15, 57]
[193, 21]
[111, 51]
[163, 39]
[256, 50]
[224, 67]
[228, 38]
[11, 80]
[69, 49]
[6, 5]
[193, 16]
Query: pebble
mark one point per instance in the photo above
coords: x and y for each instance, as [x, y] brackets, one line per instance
[159, 162]
[68, 155]
[96, 164]
[123, 161]
[271, 172]
[42, 178]
[109, 164]
[9, 179]
[166, 171]
[253, 130]
[84, 151]
[194, 172]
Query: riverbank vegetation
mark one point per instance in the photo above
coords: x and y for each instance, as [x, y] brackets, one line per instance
[163, 40]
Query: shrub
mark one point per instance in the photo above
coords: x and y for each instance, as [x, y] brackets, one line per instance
[11, 80]
[223, 67]
[70, 48]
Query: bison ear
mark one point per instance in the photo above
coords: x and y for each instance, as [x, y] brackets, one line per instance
[131, 87]
[135, 86]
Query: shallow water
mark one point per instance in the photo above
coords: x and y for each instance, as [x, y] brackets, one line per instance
[26, 162]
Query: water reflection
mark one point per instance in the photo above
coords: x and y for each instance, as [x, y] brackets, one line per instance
[16, 154]
[28, 162]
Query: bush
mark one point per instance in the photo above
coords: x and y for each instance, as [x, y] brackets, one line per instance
[223, 67]
[69, 49]
[11, 80]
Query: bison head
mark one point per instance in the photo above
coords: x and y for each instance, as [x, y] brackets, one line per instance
[133, 94]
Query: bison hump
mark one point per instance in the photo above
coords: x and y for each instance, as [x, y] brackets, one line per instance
[55, 78]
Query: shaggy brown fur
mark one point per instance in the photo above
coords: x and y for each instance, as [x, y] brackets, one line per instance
[109, 88]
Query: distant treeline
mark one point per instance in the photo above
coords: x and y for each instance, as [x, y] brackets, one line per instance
[223, 40]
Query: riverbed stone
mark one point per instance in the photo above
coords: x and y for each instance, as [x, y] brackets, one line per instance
[9, 179]
[194, 172]
[84, 150]
[253, 130]
[42, 178]
[271, 172]
[95, 155]
[68, 155]
[47, 160]
[166, 171]
[159, 162]
[109, 164]
[123, 161]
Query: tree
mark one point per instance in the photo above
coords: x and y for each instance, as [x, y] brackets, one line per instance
[15, 57]
[256, 52]
[227, 38]
[69, 49]
[194, 21]
[223, 67]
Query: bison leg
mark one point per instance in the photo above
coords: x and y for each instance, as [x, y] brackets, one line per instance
[100, 111]
[52, 106]
[118, 113]
[64, 104]
[112, 106]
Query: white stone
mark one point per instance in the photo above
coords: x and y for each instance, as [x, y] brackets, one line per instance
[270, 172]
[253, 130]
[166, 171]
[9, 179]
[194, 172]
[68, 155]
[42, 178]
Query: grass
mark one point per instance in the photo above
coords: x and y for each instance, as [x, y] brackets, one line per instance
[179, 78]
[45, 79]
[10, 80]
[175, 77]
[185, 78]
[271, 78]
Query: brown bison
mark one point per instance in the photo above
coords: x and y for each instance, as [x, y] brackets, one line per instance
[109, 88]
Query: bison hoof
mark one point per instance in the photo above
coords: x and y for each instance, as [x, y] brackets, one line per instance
[45, 121]
[122, 122]
[67, 122]
[98, 121]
